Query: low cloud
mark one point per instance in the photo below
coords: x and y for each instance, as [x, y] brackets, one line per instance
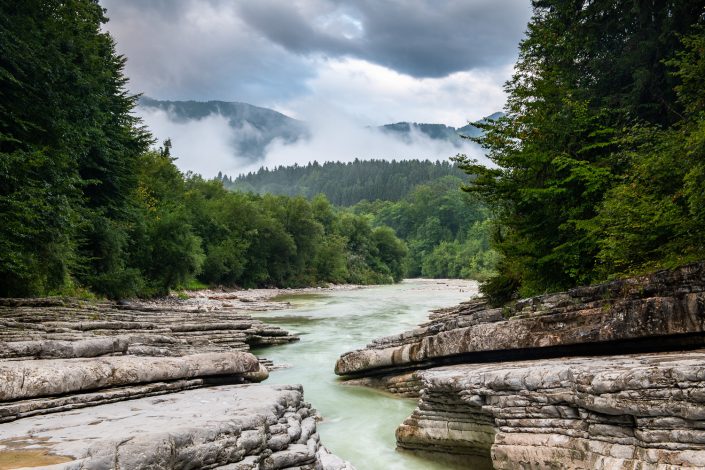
[204, 146]
[209, 145]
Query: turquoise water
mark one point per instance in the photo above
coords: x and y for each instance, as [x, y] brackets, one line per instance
[358, 423]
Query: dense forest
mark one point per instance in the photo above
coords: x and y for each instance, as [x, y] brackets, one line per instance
[599, 164]
[446, 231]
[88, 205]
[600, 159]
[344, 184]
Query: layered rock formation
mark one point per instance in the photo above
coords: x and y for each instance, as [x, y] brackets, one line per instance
[583, 401]
[164, 384]
[621, 316]
[618, 412]
[34, 328]
[236, 427]
[58, 354]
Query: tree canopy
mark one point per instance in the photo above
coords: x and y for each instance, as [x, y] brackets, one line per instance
[599, 159]
[87, 204]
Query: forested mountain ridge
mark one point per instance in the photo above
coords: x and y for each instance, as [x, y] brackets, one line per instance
[406, 130]
[345, 183]
[255, 127]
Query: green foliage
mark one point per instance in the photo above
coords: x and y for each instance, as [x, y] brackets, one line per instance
[344, 184]
[86, 205]
[67, 147]
[446, 230]
[606, 98]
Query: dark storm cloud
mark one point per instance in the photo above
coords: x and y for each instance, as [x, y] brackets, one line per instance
[422, 38]
[201, 50]
[264, 51]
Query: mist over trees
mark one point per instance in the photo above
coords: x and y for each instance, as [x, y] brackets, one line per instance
[601, 155]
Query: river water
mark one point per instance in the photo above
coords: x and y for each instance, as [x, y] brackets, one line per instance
[358, 423]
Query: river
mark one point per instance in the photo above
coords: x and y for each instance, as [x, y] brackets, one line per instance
[358, 423]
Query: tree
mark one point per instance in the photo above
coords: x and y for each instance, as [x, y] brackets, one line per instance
[67, 145]
[588, 73]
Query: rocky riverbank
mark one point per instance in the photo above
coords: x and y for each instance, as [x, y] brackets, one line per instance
[588, 378]
[149, 384]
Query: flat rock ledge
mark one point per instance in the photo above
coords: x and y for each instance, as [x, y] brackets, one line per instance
[233, 427]
[623, 316]
[622, 412]
[62, 354]
[64, 328]
[610, 376]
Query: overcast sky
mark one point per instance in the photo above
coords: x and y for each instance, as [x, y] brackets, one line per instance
[380, 61]
[371, 61]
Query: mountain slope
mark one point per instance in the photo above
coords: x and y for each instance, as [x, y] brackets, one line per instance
[345, 184]
[253, 127]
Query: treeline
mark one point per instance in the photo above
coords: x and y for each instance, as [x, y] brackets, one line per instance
[601, 156]
[446, 231]
[344, 184]
[85, 203]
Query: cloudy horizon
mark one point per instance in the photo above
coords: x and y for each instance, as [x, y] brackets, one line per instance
[359, 64]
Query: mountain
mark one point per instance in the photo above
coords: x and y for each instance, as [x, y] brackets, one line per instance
[253, 127]
[405, 130]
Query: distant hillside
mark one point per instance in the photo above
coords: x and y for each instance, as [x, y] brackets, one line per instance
[254, 127]
[405, 130]
[345, 184]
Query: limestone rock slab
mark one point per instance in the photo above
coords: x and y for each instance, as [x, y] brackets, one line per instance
[51, 377]
[233, 427]
[665, 310]
[619, 412]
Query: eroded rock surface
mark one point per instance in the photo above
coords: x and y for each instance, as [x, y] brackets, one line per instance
[59, 354]
[66, 328]
[157, 384]
[49, 377]
[228, 427]
[621, 316]
[610, 376]
[622, 412]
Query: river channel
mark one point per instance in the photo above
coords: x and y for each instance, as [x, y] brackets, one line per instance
[358, 423]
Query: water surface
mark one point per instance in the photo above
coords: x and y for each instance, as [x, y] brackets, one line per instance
[359, 422]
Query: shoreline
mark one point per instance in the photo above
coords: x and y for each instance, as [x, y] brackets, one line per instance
[265, 299]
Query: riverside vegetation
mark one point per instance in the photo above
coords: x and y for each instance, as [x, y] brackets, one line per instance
[88, 205]
[447, 233]
[600, 159]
